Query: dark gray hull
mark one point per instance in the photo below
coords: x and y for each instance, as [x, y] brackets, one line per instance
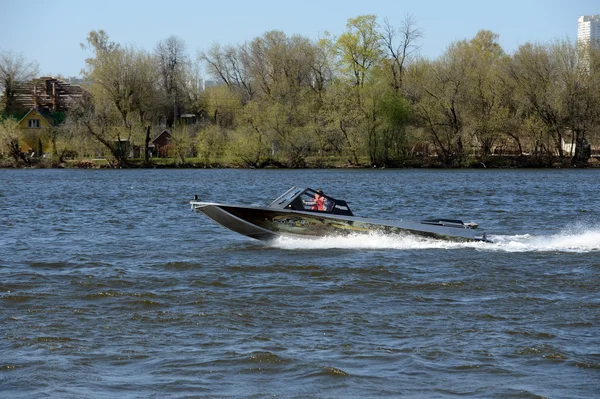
[268, 224]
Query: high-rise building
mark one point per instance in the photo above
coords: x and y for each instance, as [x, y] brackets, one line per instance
[588, 29]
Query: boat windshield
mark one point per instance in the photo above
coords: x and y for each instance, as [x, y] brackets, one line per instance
[316, 201]
[308, 199]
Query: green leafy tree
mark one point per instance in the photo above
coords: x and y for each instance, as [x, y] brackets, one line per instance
[342, 123]
[435, 88]
[124, 87]
[533, 77]
[391, 141]
[10, 134]
[579, 93]
[212, 142]
[352, 98]
[458, 98]
[359, 48]
[222, 106]
[486, 114]
[251, 142]
[183, 142]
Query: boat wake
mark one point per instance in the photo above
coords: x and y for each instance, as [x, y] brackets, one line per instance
[581, 240]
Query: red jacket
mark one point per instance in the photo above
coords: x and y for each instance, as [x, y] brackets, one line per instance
[319, 203]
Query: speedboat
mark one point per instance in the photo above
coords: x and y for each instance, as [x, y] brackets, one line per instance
[304, 212]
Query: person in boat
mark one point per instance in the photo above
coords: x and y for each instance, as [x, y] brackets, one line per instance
[318, 202]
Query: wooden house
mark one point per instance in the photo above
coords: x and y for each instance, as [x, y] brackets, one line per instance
[163, 148]
[36, 128]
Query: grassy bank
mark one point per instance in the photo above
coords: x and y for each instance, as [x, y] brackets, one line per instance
[491, 162]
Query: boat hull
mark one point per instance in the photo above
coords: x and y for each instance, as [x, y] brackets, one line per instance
[268, 224]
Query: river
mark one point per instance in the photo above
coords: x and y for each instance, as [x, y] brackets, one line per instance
[110, 286]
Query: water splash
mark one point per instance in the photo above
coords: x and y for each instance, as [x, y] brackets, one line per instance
[585, 240]
[581, 240]
[370, 241]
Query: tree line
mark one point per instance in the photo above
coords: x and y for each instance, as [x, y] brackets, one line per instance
[363, 98]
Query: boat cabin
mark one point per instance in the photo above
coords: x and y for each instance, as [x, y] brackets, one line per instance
[307, 199]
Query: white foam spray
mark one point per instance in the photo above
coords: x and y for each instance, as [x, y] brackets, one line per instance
[580, 239]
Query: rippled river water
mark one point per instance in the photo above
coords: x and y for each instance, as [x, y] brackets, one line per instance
[110, 286]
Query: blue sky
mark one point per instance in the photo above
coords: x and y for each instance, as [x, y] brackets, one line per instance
[50, 32]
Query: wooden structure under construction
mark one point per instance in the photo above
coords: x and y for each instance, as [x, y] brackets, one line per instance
[47, 94]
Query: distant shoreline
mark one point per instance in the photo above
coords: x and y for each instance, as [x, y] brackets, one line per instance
[493, 162]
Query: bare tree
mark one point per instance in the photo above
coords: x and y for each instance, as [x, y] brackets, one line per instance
[14, 69]
[229, 64]
[172, 60]
[193, 91]
[398, 53]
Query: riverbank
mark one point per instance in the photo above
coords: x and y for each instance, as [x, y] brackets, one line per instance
[491, 162]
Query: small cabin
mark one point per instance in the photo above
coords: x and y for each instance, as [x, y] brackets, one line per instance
[163, 148]
[36, 128]
[189, 119]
